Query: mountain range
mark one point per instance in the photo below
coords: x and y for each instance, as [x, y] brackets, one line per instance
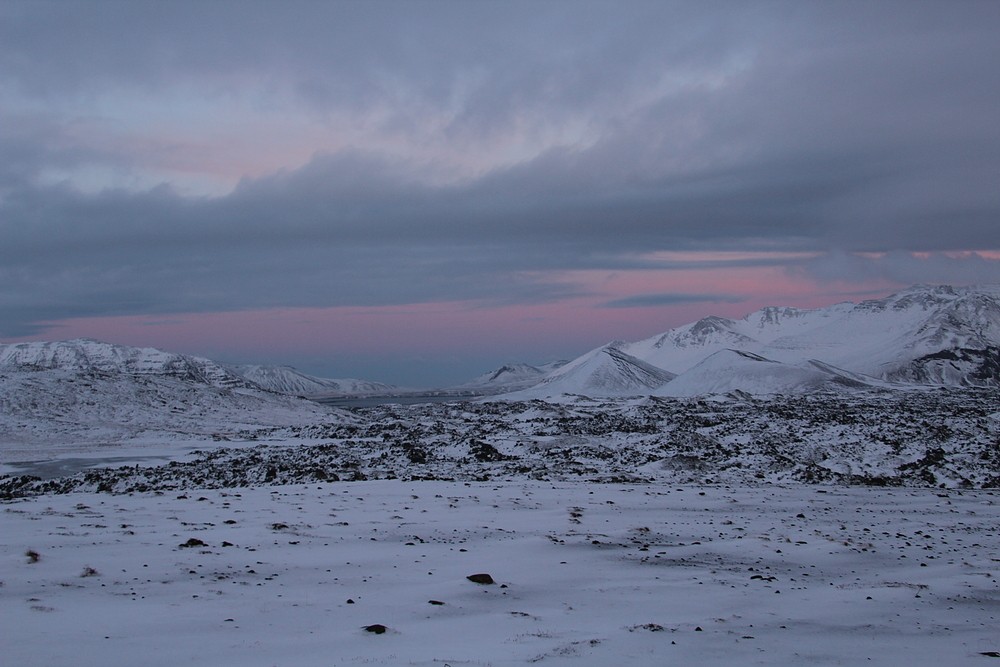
[921, 336]
[81, 394]
[287, 380]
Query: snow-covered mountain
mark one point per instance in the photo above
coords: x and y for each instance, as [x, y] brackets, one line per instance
[937, 335]
[734, 371]
[511, 377]
[287, 380]
[605, 372]
[924, 335]
[79, 395]
[84, 355]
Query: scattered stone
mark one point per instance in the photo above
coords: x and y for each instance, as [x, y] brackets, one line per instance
[377, 629]
[651, 627]
[193, 542]
[435, 602]
[482, 578]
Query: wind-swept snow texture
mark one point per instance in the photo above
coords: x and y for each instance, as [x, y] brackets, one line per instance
[584, 575]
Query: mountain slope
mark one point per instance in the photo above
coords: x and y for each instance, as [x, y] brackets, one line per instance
[84, 355]
[511, 377]
[84, 395]
[734, 371]
[938, 335]
[604, 372]
[287, 380]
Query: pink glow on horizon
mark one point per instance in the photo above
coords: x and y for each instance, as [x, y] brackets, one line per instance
[399, 343]
[462, 329]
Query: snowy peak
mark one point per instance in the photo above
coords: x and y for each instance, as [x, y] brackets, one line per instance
[511, 377]
[287, 380]
[680, 348]
[774, 316]
[937, 335]
[88, 356]
[516, 372]
[707, 331]
[604, 372]
[80, 394]
[925, 334]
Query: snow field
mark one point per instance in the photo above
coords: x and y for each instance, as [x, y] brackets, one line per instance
[586, 574]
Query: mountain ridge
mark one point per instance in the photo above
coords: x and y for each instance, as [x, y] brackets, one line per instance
[938, 335]
[605, 372]
[921, 336]
[288, 380]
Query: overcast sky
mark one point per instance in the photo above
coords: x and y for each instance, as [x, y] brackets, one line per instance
[418, 191]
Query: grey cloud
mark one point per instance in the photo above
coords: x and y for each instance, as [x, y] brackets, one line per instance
[670, 299]
[764, 126]
[345, 231]
[901, 268]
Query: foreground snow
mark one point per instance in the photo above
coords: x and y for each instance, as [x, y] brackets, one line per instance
[586, 574]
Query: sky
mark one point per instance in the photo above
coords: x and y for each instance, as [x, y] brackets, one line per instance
[418, 192]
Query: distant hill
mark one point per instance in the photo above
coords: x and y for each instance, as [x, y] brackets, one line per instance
[80, 394]
[85, 355]
[287, 380]
[510, 377]
[604, 372]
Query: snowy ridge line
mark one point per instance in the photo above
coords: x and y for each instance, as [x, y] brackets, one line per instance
[919, 337]
[287, 380]
[83, 395]
[92, 357]
[510, 377]
[605, 372]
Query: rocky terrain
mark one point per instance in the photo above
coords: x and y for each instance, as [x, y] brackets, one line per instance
[940, 438]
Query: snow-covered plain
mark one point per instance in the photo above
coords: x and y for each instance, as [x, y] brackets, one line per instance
[585, 574]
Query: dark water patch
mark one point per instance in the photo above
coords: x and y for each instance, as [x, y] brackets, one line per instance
[373, 401]
[64, 467]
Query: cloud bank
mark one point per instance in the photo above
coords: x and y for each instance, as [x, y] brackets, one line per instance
[192, 158]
